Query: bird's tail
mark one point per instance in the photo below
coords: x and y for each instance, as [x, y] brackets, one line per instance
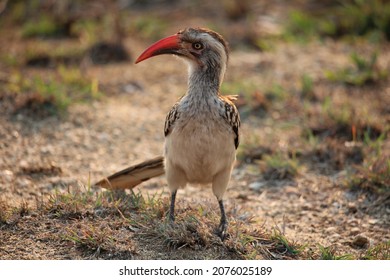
[132, 176]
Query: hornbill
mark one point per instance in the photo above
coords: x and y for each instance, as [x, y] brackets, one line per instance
[202, 128]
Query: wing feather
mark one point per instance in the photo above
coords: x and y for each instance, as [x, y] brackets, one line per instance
[232, 116]
[172, 116]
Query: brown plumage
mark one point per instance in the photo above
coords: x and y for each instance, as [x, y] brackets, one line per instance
[134, 175]
[202, 128]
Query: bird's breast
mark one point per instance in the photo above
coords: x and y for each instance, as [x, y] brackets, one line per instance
[201, 145]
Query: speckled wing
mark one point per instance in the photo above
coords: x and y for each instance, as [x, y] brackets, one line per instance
[172, 116]
[232, 116]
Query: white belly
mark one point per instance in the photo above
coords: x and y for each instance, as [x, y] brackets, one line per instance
[201, 149]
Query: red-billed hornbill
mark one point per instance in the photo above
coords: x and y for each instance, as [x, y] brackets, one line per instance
[202, 128]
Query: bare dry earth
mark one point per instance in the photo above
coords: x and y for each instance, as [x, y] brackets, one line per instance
[39, 156]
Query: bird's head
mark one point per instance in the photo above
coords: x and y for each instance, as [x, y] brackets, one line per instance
[206, 50]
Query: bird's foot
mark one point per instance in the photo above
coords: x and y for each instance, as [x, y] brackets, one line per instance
[222, 230]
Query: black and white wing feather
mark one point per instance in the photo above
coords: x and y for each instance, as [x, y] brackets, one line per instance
[172, 116]
[232, 116]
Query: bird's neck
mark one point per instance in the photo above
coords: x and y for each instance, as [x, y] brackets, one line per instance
[204, 82]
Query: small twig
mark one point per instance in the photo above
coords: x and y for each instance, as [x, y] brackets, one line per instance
[121, 214]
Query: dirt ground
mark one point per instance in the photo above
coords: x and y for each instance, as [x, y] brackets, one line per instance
[40, 156]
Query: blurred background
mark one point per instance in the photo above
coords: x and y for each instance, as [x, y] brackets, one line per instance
[70, 35]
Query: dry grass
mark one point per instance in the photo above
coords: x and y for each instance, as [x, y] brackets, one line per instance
[378, 252]
[105, 225]
[97, 225]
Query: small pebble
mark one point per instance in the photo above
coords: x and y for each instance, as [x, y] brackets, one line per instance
[7, 175]
[360, 241]
[352, 208]
[355, 231]
[372, 221]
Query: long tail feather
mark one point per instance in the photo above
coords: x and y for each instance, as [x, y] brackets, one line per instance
[132, 176]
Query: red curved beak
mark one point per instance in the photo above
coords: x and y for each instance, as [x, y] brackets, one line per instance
[168, 45]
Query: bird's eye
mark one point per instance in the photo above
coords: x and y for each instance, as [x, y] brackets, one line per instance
[197, 46]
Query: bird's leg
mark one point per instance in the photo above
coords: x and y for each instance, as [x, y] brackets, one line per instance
[223, 223]
[220, 183]
[172, 207]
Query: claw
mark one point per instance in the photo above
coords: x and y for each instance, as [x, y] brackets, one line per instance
[222, 230]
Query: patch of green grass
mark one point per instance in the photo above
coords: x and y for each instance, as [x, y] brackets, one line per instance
[276, 93]
[375, 144]
[105, 28]
[43, 26]
[53, 94]
[300, 26]
[341, 120]
[346, 18]
[312, 139]
[42, 54]
[48, 96]
[8, 213]
[307, 87]
[378, 252]
[329, 253]
[284, 246]
[75, 81]
[364, 71]
[80, 202]
[266, 43]
[372, 176]
[10, 60]
[17, 11]
[87, 30]
[279, 167]
[70, 204]
[363, 17]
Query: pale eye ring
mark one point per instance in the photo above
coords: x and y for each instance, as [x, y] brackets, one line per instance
[197, 46]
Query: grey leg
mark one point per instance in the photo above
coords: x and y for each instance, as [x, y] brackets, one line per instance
[172, 207]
